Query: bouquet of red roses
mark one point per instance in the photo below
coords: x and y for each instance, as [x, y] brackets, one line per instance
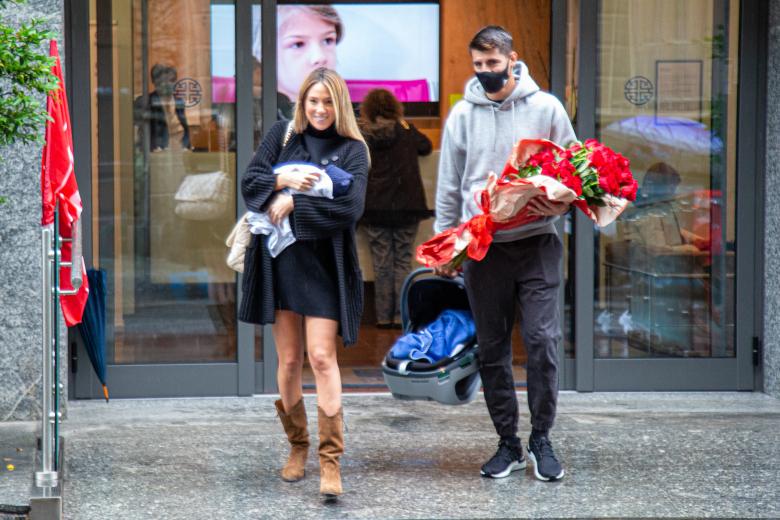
[588, 175]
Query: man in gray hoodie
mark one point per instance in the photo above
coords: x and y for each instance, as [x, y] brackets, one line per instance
[501, 105]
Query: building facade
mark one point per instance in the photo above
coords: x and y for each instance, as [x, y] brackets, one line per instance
[677, 295]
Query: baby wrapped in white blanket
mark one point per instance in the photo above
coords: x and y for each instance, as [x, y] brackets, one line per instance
[332, 182]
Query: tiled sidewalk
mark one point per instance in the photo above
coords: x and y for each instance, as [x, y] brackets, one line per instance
[626, 455]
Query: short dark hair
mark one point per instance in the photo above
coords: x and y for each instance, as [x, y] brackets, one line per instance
[159, 70]
[492, 37]
[380, 103]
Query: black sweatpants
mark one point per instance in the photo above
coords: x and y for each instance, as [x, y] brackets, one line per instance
[526, 273]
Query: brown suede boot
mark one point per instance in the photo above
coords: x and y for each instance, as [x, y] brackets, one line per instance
[294, 424]
[331, 448]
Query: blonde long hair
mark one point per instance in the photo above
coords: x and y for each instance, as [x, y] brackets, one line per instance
[346, 125]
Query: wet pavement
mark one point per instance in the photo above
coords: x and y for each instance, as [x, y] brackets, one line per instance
[626, 455]
[17, 454]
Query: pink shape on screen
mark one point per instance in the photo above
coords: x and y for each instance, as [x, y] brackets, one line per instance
[404, 90]
[223, 89]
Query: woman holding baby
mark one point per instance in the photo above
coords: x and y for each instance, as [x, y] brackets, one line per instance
[313, 288]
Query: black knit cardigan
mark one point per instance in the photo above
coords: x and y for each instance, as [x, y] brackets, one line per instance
[313, 218]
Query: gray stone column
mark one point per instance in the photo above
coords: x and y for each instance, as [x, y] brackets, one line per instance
[772, 210]
[20, 245]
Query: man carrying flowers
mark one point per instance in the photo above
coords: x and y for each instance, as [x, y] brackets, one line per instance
[502, 105]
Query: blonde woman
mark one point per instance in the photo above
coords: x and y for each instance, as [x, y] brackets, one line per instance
[313, 289]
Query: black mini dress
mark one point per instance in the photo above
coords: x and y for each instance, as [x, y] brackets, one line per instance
[305, 272]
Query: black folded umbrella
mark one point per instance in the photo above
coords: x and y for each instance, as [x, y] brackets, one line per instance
[93, 324]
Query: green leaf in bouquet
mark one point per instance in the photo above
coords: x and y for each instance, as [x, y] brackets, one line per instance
[583, 167]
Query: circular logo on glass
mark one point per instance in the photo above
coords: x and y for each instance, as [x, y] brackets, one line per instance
[638, 90]
[189, 91]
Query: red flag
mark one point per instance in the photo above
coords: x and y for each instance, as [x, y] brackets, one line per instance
[58, 183]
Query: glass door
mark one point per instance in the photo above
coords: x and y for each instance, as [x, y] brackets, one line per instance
[163, 178]
[664, 276]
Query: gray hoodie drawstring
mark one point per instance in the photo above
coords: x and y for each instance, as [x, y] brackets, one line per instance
[495, 132]
[493, 110]
[514, 126]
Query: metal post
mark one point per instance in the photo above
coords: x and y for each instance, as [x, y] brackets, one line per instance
[47, 477]
[54, 371]
[50, 280]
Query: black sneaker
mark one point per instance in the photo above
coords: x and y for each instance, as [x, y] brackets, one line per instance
[541, 454]
[507, 459]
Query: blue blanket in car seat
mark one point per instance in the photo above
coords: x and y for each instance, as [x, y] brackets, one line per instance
[443, 337]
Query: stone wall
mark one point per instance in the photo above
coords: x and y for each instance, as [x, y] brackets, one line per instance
[20, 245]
[772, 210]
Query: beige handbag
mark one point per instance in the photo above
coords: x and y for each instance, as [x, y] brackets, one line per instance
[240, 236]
[203, 196]
[237, 242]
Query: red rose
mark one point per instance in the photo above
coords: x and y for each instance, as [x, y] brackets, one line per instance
[575, 183]
[629, 191]
[625, 177]
[538, 159]
[604, 183]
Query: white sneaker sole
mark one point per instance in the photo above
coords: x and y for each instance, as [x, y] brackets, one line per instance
[514, 466]
[539, 475]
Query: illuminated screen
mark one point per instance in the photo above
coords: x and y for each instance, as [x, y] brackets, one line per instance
[388, 45]
[392, 46]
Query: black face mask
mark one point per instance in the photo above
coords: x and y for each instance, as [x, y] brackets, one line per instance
[492, 82]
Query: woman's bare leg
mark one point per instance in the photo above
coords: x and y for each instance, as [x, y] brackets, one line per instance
[321, 348]
[288, 337]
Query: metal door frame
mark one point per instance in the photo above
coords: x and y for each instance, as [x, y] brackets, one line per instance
[669, 374]
[245, 376]
[558, 19]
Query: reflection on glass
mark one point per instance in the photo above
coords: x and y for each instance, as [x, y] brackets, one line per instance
[570, 102]
[572, 58]
[257, 73]
[569, 273]
[667, 91]
[257, 119]
[258, 343]
[167, 178]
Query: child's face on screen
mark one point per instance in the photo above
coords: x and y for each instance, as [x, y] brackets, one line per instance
[305, 42]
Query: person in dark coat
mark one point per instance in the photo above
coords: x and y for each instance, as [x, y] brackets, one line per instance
[395, 198]
[313, 289]
[163, 113]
